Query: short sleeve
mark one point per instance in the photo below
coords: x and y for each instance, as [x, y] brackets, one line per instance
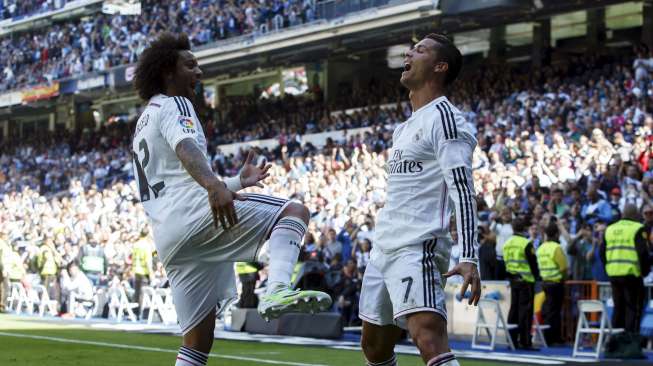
[177, 121]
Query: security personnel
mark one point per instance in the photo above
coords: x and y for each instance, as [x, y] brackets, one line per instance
[552, 263]
[14, 266]
[48, 263]
[248, 275]
[93, 261]
[627, 262]
[522, 271]
[142, 263]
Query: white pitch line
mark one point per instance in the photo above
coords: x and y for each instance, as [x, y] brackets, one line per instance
[152, 349]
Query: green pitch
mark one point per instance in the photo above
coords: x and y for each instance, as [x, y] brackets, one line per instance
[27, 343]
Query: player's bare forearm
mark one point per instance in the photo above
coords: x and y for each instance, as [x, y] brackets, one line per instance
[194, 162]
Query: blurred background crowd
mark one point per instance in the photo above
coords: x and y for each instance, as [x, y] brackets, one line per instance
[571, 142]
[104, 41]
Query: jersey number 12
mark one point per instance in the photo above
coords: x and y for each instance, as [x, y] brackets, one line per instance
[143, 184]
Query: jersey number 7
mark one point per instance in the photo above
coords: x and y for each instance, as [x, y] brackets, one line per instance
[143, 184]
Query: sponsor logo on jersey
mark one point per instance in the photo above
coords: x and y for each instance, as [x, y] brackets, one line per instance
[399, 165]
[187, 124]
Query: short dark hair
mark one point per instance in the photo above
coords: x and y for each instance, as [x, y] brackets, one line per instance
[449, 53]
[520, 224]
[157, 60]
[552, 232]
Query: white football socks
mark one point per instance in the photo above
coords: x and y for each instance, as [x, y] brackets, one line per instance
[445, 359]
[285, 243]
[190, 357]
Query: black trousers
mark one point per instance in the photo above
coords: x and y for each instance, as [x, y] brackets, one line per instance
[248, 298]
[522, 294]
[500, 270]
[551, 310]
[628, 294]
[139, 282]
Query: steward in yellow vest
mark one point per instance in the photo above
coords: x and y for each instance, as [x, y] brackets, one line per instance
[552, 264]
[626, 259]
[142, 264]
[522, 271]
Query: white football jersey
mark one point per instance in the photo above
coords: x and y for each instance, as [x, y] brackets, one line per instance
[176, 205]
[429, 175]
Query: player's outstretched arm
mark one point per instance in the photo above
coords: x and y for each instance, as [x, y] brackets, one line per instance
[220, 198]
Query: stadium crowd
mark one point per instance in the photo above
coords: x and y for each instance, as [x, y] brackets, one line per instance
[97, 43]
[578, 147]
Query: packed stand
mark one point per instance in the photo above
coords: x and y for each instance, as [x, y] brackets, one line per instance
[103, 41]
[570, 144]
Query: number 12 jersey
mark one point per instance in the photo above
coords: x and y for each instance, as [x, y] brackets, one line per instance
[176, 205]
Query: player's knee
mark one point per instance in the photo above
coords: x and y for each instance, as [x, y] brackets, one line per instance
[430, 342]
[375, 350]
[298, 210]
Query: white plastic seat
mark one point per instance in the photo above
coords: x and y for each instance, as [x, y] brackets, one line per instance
[119, 305]
[147, 294]
[604, 329]
[490, 319]
[538, 337]
[17, 298]
[44, 302]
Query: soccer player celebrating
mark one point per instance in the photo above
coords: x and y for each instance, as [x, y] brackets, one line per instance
[201, 225]
[429, 174]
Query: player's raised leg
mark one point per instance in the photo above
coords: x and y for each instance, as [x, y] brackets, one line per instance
[284, 245]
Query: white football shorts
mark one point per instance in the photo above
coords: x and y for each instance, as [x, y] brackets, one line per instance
[201, 272]
[405, 281]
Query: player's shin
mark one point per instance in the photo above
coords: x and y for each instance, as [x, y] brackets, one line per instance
[391, 362]
[190, 357]
[285, 243]
[445, 359]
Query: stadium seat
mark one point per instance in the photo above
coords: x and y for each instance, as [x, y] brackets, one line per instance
[604, 329]
[490, 319]
[148, 298]
[43, 301]
[162, 304]
[538, 336]
[119, 305]
[17, 298]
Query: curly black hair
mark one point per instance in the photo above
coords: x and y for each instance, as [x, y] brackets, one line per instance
[157, 60]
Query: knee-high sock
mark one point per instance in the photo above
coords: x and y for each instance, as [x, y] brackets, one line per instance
[285, 243]
[445, 359]
[391, 362]
[190, 357]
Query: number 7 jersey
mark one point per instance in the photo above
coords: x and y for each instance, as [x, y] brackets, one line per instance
[176, 205]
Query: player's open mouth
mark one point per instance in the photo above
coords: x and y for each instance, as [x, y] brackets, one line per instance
[407, 67]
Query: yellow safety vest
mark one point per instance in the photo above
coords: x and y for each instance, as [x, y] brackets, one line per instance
[514, 255]
[549, 269]
[15, 268]
[141, 255]
[46, 262]
[245, 268]
[620, 253]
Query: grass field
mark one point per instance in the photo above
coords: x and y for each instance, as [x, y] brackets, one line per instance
[28, 343]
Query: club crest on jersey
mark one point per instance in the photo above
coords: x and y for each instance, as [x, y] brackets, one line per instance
[187, 124]
[418, 135]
